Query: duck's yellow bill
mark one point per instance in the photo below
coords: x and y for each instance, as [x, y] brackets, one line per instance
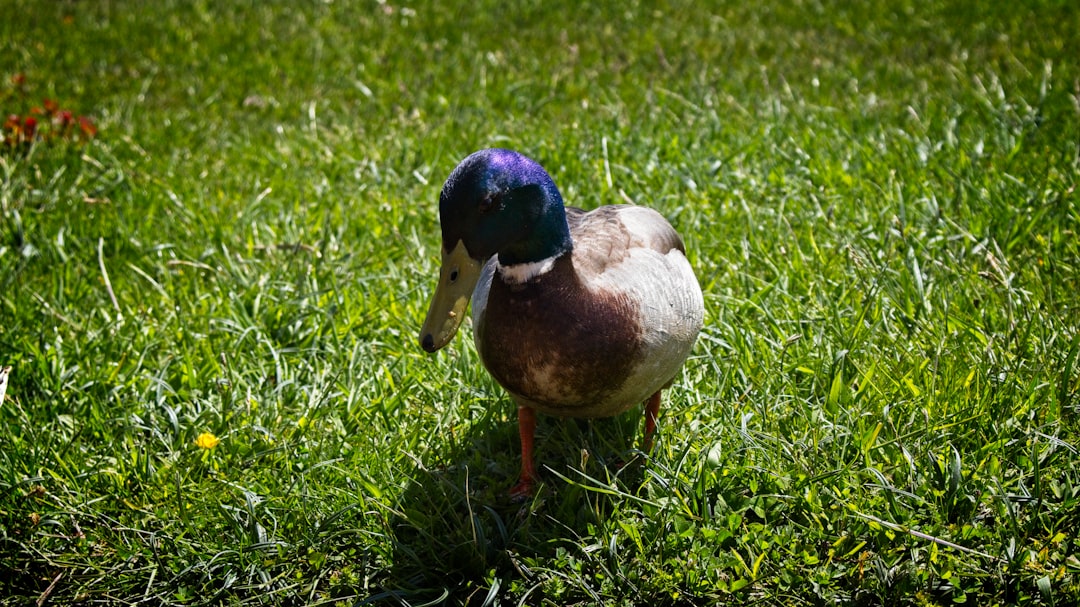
[457, 279]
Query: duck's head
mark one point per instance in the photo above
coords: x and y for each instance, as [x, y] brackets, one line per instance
[496, 202]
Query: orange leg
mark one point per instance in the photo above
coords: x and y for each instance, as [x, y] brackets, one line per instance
[527, 429]
[652, 411]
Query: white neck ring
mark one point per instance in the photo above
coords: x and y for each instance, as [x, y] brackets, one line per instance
[521, 273]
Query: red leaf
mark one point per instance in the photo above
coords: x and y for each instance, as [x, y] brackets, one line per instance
[29, 127]
[87, 126]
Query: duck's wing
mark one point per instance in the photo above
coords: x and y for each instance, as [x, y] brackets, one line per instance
[634, 254]
[606, 237]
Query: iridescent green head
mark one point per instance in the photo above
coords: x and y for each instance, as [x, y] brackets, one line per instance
[496, 202]
[501, 202]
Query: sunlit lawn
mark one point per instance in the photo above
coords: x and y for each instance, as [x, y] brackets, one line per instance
[210, 301]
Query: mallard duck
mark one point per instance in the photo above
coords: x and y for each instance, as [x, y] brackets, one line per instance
[575, 313]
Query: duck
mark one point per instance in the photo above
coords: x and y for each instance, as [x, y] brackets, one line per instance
[581, 314]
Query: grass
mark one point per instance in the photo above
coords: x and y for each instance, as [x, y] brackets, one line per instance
[879, 200]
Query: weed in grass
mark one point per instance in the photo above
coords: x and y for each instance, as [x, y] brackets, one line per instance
[47, 122]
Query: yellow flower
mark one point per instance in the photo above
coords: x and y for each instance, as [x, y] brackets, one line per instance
[207, 440]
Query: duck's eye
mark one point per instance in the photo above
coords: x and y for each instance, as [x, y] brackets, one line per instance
[488, 204]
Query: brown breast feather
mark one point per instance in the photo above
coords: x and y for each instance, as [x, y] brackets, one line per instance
[559, 346]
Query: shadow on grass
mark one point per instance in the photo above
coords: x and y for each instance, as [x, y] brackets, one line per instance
[460, 539]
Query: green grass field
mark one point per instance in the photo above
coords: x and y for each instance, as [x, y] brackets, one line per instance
[879, 201]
